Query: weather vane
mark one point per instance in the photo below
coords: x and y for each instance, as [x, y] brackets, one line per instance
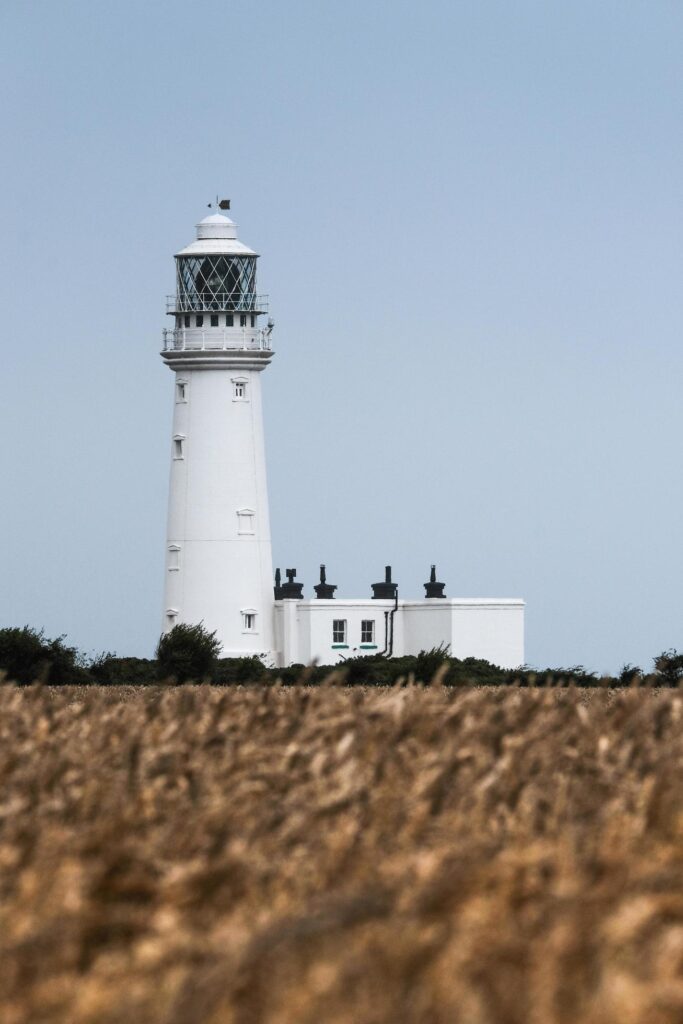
[220, 204]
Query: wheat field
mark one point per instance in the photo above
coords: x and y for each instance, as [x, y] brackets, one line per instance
[292, 855]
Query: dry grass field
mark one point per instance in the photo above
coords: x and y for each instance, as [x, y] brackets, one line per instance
[317, 856]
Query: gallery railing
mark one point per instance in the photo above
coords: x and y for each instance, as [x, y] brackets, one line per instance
[215, 340]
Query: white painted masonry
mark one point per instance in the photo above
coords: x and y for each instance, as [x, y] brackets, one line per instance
[218, 551]
[472, 627]
[219, 564]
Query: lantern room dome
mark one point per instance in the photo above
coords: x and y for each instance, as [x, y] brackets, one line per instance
[216, 226]
[217, 235]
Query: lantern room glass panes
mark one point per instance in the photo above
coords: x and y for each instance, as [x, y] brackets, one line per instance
[217, 282]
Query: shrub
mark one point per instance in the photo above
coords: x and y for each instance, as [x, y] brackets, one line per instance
[27, 656]
[630, 675]
[109, 670]
[378, 670]
[186, 652]
[369, 670]
[228, 671]
[576, 675]
[428, 663]
[298, 674]
[476, 672]
[669, 667]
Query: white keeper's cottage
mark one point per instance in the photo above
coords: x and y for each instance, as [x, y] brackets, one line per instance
[219, 567]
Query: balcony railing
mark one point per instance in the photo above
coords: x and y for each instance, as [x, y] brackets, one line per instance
[216, 340]
[221, 302]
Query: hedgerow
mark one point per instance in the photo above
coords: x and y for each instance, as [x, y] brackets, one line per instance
[189, 654]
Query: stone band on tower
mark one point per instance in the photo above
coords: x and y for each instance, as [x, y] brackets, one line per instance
[218, 554]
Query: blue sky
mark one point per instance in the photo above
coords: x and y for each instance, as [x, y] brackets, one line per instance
[469, 215]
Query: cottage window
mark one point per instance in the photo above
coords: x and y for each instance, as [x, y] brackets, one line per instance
[367, 631]
[339, 631]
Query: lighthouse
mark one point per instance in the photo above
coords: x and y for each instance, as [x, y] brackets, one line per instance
[218, 551]
[219, 569]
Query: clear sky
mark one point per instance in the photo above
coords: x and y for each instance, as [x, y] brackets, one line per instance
[470, 221]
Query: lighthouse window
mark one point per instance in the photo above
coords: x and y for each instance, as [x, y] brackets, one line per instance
[239, 389]
[181, 391]
[171, 618]
[243, 319]
[229, 319]
[199, 321]
[245, 520]
[178, 447]
[186, 321]
[367, 631]
[253, 320]
[248, 621]
[214, 319]
[339, 631]
[173, 558]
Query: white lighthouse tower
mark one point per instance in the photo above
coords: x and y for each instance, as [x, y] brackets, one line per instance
[218, 552]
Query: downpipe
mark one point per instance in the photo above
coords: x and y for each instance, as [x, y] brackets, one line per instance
[389, 629]
[391, 624]
[386, 635]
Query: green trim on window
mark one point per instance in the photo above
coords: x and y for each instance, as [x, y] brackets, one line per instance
[368, 647]
[336, 647]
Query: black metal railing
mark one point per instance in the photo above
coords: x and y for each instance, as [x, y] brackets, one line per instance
[182, 340]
